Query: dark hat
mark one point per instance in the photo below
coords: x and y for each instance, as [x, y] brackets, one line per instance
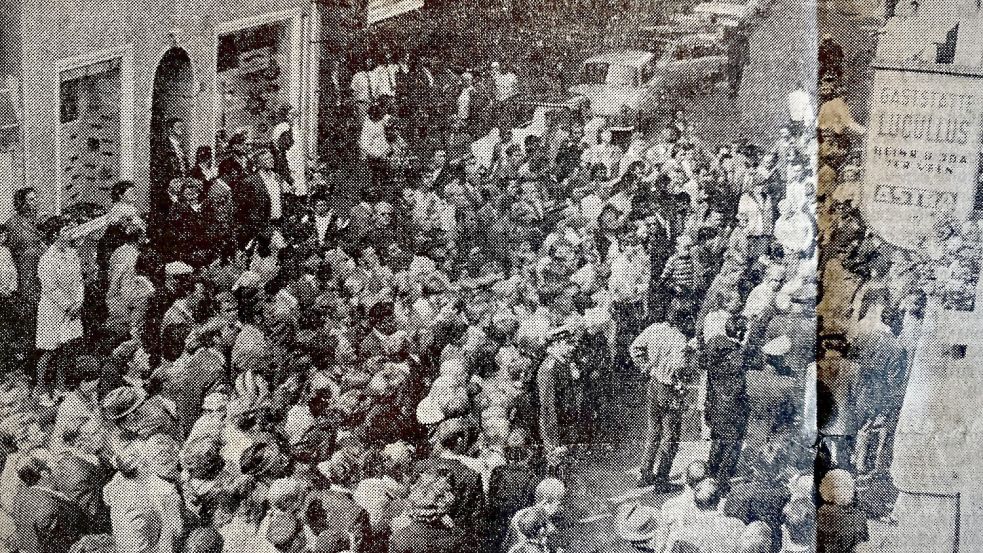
[381, 310]
[258, 458]
[204, 540]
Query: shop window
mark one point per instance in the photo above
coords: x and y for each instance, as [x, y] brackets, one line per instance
[69, 101]
[379, 10]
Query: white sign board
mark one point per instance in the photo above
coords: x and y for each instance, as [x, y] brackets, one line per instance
[922, 151]
[384, 9]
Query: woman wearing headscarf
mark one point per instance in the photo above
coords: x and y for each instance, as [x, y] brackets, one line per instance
[59, 319]
[127, 292]
[425, 526]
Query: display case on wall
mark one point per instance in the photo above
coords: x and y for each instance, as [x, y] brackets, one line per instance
[90, 111]
[11, 145]
[253, 80]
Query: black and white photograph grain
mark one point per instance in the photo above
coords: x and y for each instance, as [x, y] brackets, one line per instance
[491, 276]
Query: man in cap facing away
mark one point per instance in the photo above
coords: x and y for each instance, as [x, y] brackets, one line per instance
[450, 440]
[426, 526]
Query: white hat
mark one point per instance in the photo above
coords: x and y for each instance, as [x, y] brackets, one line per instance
[175, 268]
[778, 346]
[248, 279]
[429, 411]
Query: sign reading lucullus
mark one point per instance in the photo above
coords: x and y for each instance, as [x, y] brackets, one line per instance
[922, 149]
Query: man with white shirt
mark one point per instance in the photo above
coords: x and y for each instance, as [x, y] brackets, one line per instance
[801, 112]
[465, 100]
[363, 91]
[383, 81]
[259, 201]
[661, 352]
[273, 182]
[629, 286]
[374, 146]
[756, 206]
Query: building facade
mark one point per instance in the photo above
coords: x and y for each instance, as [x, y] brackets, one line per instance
[100, 79]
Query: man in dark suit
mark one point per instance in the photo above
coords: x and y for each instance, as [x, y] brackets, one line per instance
[511, 487]
[451, 438]
[236, 165]
[26, 245]
[726, 411]
[317, 230]
[253, 203]
[169, 161]
[172, 154]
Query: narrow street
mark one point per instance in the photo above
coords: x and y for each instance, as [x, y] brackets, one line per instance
[778, 44]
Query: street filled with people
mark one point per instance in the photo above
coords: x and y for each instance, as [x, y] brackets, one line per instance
[251, 365]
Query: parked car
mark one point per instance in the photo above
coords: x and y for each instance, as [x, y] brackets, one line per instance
[732, 13]
[636, 81]
[613, 81]
[694, 61]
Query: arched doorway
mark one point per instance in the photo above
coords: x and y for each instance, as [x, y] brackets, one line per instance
[173, 97]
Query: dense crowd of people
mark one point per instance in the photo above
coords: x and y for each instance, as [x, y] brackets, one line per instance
[252, 367]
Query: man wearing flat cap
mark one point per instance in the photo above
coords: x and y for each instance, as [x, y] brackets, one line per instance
[136, 414]
[555, 382]
[425, 526]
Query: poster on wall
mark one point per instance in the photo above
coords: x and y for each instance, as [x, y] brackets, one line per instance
[254, 80]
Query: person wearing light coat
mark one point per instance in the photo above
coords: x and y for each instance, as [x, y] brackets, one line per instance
[59, 318]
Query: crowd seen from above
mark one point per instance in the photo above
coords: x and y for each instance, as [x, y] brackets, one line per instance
[245, 368]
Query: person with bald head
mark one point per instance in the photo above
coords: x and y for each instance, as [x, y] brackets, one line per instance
[679, 510]
[549, 497]
[710, 530]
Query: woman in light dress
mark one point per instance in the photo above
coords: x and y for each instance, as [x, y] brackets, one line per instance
[59, 318]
